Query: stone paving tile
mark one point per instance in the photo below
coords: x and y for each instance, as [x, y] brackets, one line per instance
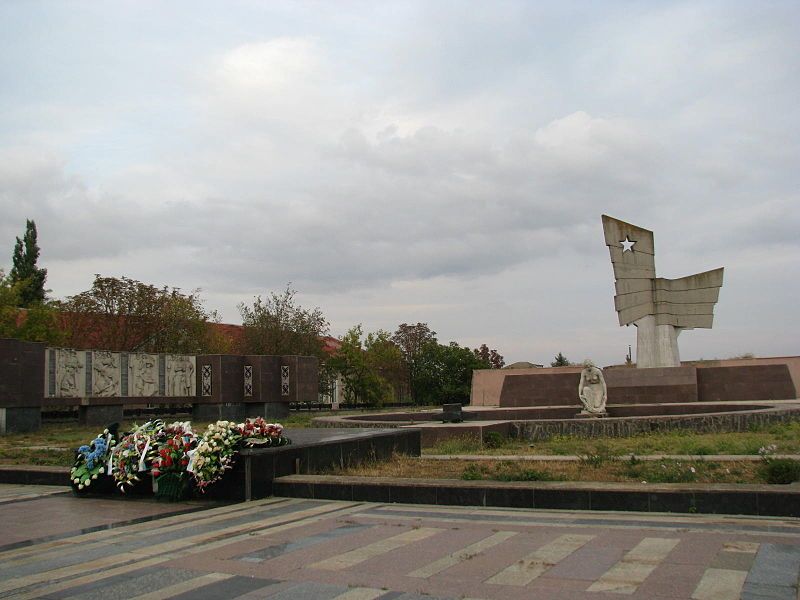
[268, 588]
[394, 555]
[282, 548]
[310, 591]
[587, 563]
[67, 514]
[229, 588]
[127, 585]
[671, 580]
[775, 573]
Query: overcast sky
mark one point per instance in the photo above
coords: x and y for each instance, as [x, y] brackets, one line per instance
[443, 162]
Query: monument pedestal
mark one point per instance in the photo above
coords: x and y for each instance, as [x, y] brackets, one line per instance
[100, 414]
[226, 411]
[271, 411]
[587, 415]
[20, 419]
[656, 345]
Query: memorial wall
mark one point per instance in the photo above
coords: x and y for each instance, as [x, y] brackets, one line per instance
[102, 383]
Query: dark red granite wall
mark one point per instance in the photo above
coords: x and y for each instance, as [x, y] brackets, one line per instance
[547, 389]
[21, 373]
[655, 386]
[754, 382]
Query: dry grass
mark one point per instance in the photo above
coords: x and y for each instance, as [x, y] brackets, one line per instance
[607, 470]
[786, 436]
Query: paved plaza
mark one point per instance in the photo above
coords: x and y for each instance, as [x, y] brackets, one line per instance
[56, 546]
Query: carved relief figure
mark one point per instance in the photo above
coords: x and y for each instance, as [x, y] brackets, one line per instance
[592, 390]
[145, 375]
[70, 368]
[180, 376]
[105, 374]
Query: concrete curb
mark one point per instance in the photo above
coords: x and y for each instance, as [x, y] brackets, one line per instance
[733, 499]
[34, 475]
[623, 457]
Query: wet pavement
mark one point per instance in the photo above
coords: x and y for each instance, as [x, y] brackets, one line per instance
[53, 545]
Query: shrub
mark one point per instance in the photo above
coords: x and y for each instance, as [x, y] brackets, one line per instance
[472, 472]
[493, 439]
[781, 471]
[524, 475]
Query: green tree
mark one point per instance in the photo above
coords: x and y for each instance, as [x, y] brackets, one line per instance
[445, 373]
[362, 382]
[411, 340]
[560, 361]
[39, 323]
[386, 359]
[277, 325]
[123, 314]
[491, 358]
[24, 270]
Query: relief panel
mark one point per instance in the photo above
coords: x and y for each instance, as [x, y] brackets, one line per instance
[105, 374]
[143, 374]
[180, 379]
[70, 372]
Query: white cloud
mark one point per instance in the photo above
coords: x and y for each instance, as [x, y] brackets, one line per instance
[449, 168]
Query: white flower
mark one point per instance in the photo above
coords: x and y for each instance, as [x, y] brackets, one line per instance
[80, 487]
[94, 476]
[693, 470]
[76, 480]
[88, 483]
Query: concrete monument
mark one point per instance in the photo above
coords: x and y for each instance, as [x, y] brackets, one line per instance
[592, 390]
[660, 308]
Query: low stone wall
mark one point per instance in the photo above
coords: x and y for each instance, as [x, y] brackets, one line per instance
[101, 383]
[727, 381]
[628, 426]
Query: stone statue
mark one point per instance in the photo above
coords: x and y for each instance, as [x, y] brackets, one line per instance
[592, 390]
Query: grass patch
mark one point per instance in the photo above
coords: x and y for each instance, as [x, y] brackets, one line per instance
[781, 470]
[786, 436]
[630, 471]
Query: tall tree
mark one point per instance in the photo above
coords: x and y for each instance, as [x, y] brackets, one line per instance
[127, 315]
[560, 361]
[278, 325]
[492, 358]
[24, 270]
[445, 373]
[385, 357]
[362, 381]
[38, 323]
[411, 339]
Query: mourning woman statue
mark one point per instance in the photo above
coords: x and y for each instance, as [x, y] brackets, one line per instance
[592, 390]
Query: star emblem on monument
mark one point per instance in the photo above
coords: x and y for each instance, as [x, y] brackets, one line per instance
[627, 244]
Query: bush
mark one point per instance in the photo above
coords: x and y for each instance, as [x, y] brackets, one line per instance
[472, 473]
[493, 439]
[781, 471]
[524, 475]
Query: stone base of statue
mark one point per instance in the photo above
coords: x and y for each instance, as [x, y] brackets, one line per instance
[585, 414]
